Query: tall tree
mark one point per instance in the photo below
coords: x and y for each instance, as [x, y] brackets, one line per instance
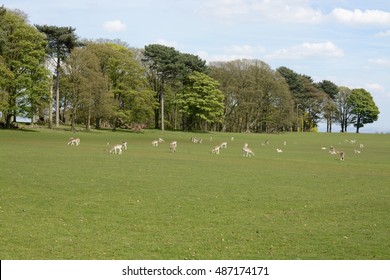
[345, 116]
[135, 103]
[363, 107]
[167, 70]
[82, 75]
[256, 97]
[307, 97]
[329, 106]
[61, 41]
[201, 101]
[163, 63]
[23, 78]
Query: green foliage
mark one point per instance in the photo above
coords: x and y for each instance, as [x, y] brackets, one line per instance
[24, 78]
[256, 97]
[167, 67]
[201, 101]
[363, 107]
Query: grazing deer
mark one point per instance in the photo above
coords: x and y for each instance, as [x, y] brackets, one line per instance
[361, 146]
[247, 152]
[223, 145]
[216, 150]
[173, 146]
[196, 140]
[160, 140]
[342, 155]
[279, 151]
[117, 149]
[332, 150]
[74, 141]
[357, 151]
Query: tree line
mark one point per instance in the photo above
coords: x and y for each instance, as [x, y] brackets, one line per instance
[47, 72]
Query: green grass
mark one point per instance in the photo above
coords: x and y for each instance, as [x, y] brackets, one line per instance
[62, 202]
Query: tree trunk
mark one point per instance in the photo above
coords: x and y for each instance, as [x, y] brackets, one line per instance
[57, 85]
[51, 108]
[358, 124]
[162, 110]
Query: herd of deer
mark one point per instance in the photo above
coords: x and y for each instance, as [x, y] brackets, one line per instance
[247, 152]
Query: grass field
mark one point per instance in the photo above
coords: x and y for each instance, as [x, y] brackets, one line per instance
[64, 202]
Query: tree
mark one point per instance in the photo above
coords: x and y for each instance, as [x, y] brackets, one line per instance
[363, 107]
[163, 63]
[307, 97]
[23, 79]
[167, 70]
[256, 97]
[60, 42]
[345, 116]
[135, 102]
[86, 85]
[201, 101]
[329, 106]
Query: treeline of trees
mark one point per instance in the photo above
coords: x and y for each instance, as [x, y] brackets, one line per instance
[47, 71]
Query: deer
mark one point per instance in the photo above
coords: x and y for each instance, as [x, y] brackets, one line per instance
[223, 145]
[216, 150]
[117, 149]
[342, 155]
[173, 146]
[74, 141]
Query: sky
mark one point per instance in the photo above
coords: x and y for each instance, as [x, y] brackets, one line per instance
[344, 41]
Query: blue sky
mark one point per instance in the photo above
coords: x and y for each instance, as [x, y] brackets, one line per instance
[345, 41]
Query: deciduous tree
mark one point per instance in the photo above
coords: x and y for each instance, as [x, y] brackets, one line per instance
[363, 107]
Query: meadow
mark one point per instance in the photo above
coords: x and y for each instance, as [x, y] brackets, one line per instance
[67, 202]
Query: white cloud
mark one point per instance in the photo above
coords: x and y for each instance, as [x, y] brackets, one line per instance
[234, 52]
[378, 90]
[275, 10]
[114, 26]
[327, 49]
[380, 61]
[291, 11]
[357, 16]
[167, 43]
[383, 34]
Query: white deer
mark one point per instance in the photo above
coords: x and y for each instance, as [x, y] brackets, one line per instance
[124, 145]
[279, 151]
[248, 152]
[117, 149]
[155, 143]
[223, 145]
[74, 141]
[173, 146]
[332, 150]
[216, 150]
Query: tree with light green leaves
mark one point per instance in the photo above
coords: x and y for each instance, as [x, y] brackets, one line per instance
[257, 98]
[201, 101]
[363, 107]
[24, 78]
